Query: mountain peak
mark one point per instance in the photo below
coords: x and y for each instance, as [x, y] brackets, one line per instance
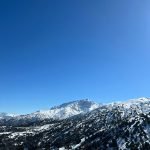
[69, 109]
[71, 103]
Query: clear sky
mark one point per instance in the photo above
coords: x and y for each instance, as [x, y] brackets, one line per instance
[54, 51]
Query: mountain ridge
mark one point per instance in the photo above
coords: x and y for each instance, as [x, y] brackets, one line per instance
[47, 113]
[62, 111]
[117, 126]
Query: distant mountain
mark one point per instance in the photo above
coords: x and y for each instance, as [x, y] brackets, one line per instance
[7, 115]
[115, 126]
[58, 112]
[66, 110]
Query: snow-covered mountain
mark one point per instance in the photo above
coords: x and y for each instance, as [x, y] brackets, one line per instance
[63, 111]
[66, 110]
[7, 115]
[132, 102]
[116, 126]
[139, 105]
[73, 108]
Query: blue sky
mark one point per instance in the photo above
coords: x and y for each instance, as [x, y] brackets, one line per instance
[56, 51]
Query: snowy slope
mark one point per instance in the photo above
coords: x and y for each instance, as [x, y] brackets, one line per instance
[7, 115]
[68, 109]
[139, 105]
[132, 102]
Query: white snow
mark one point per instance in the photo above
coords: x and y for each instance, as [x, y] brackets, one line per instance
[15, 134]
[62, 148]
[44, 127]
[77, 145]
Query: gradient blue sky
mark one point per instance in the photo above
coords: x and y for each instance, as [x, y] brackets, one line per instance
[54, 51]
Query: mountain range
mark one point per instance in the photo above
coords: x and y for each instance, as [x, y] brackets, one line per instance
[79, 125]
[60, 112]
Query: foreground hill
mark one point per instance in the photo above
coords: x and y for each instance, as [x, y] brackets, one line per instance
[116, 126]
